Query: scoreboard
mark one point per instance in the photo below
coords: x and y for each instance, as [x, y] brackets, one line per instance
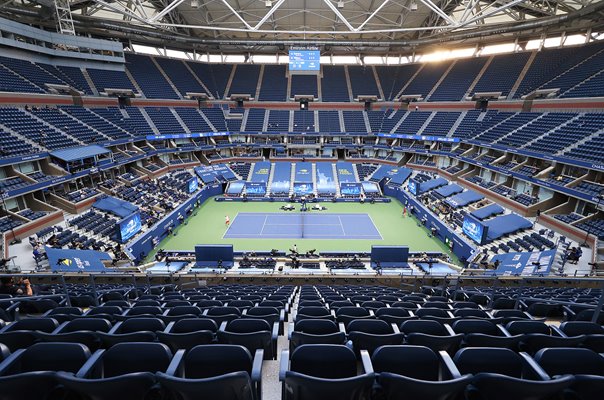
[304, 61]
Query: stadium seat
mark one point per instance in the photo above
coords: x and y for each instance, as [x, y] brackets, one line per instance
[500, 373]
[222, 372]
[414, 372]
[124, 368]
[586, 366]
[317, 371]
[369, 334]
[188, 333]
[431, 334]
[253, 334]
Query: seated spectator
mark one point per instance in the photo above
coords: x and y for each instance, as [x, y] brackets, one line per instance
[22, 288]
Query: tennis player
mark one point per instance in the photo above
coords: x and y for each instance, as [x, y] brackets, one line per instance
[227, 220]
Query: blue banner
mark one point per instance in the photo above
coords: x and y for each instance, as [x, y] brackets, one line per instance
[66, 260]
[129, 226]
[525, 263]
[257, 188]
[412, 186]
[350, 188]
[474, 229]
[193, 185]
[303, 188]
[419, 137]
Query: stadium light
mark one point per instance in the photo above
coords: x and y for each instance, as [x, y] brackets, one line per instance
[413, 6]
[195, 3]
[340, 4]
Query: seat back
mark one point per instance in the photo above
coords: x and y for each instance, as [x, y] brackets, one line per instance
[300, 387]
[248, 325]
[561, 361]
[108, 310]
[194, 324]
[423, 326]
[68, 357]
[141, 324]
[324, 361]
[87, 324]
[373, 326]
[417, 362]
[34, 324]
[470, 312]
[224, 310]
[205, 361]
[125, 358]
[467, 326]
[316, 326]
[474, 360]
[525, 327]
[184, 310]
[262, 310]
[146, 303]
[576, 328]
[150, 310]
[313, 311]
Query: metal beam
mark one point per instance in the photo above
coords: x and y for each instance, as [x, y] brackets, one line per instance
[339, 15]
[268, 14]
[235, 13]
[166, 10]
[372, 15]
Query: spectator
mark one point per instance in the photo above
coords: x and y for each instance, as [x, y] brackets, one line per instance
[7, 286]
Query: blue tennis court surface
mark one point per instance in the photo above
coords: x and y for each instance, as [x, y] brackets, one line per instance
[302, 226]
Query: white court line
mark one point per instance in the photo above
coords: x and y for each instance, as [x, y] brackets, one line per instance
[342, 227]
[375, 227]
[230, 225]
[263, 224]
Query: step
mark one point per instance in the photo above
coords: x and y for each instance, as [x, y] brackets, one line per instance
[442, 78]
[477, 78]
[341, 118]
[180, 121]
[89, 81]
[348, 85]
[166, 77]
[205, 118]
[400, 121]
[528, 64]
[227, 89]
[421, 130]
[259, 84]
[457, 123]
[410, 80]
[378, 83]
[148, 119]
[203, 85]
[134, 83]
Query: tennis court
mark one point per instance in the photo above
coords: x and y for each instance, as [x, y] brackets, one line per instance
[302, 226]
